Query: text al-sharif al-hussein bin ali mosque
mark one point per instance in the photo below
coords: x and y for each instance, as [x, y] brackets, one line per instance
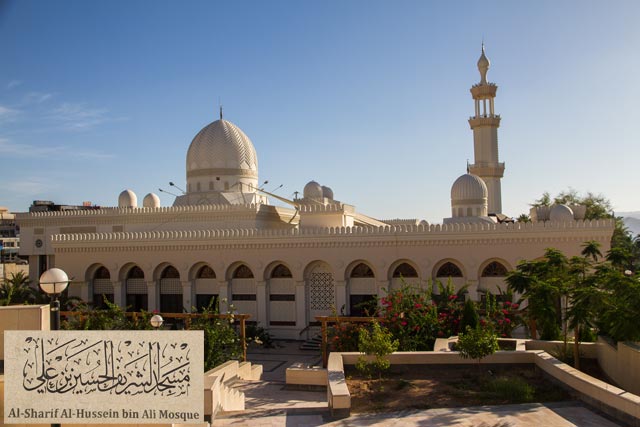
[310, 256]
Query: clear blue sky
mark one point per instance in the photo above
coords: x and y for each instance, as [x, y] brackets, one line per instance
[368, 97]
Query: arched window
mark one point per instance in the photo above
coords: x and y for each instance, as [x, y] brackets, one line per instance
[361, 270]
[102, 273]
[135, 273]
[281, 271]
[243, 272]
[494, 269]
[405, 270]
[449, 269]
[205, 272]
[170, 273]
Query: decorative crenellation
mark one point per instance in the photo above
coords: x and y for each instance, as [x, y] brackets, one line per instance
[392, 230]
[321, 208]
[404, 221]
[253, 207]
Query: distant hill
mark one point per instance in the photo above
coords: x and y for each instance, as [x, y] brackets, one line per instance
[631, 220]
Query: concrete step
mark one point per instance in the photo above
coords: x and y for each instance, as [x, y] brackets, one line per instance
[313, 343]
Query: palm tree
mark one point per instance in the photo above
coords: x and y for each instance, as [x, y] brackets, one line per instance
[16, 290]
[591, 249]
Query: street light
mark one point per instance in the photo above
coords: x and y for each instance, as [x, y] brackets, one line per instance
[156, 321]
[53, 282]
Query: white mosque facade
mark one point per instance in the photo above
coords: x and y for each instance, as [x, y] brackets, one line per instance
[286, 265]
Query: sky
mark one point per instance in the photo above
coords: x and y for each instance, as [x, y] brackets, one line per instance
[370, 98]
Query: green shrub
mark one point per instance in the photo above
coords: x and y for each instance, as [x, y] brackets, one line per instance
[512, 389]
[378, 343]
[258, 335]
[221, 340]
[477, 343]
[470, 316]
[112, 318]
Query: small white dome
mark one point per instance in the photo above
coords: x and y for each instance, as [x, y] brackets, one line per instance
[561, 213]
[151, 200]
[312, 190]
[127, 199]
[327, 192]
[469, 187]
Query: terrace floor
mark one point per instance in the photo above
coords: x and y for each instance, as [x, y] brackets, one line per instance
[270, 403]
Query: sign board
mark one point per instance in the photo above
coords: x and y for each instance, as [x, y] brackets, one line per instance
[105, 377]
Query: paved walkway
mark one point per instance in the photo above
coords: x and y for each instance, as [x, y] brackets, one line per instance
[270, 403]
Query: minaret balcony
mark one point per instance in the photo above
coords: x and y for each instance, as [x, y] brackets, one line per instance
[484, 120]
[486, 169]
[484, 91]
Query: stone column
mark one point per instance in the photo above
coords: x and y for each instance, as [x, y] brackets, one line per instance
[119, 297]
[341, 297]
[223, 296]
[81, 290]
[261, 303]
[187, 295]
[301, 312]
[473, 289]
[152, 296]
[382, 289]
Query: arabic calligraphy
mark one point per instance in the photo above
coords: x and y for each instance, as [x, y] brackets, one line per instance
[84, 366]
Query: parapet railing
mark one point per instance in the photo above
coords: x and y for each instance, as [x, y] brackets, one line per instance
[334, 231]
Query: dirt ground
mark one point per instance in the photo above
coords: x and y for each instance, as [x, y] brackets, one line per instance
[443, 386]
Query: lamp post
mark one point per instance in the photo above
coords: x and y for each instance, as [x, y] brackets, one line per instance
[53, 282]
[156, 321]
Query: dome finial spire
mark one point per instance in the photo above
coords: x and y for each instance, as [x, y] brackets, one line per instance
[220, 111]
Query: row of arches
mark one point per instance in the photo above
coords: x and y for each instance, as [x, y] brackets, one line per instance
[360, 269]
[279, 300]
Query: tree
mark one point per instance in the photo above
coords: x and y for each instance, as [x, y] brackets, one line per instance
[378, 343]
[16, 290]
[470, 316]
[477, 343]
[541, 283]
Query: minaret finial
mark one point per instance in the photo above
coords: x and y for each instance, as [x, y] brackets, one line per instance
[483, 65]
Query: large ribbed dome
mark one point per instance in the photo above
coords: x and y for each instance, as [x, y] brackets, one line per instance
[469, 187]
[221, 148]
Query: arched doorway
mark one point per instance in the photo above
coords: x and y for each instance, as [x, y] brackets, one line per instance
[449, 271]
[404, 274]
[206, 288]
[363, 299]
[170, 291]
[243, 292]
[492, 279]
[282, 297]
[102, 288]
[136, 290]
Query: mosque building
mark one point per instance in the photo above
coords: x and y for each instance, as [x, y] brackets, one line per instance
[285, 265]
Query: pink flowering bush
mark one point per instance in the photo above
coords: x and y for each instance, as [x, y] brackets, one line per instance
[416, 318]
[411, 317]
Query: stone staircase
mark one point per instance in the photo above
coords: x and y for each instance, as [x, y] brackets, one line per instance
[312, 344]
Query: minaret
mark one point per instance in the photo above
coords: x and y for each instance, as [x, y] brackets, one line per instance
[485, 125]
